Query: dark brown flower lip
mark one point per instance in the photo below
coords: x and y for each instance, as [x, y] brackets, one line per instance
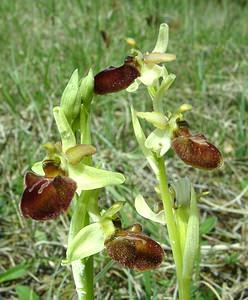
[115, 79]
[135, 250]
[195, 150]
[46, 198]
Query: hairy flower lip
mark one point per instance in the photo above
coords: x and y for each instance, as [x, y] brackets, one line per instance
[46, 198]
[115, 79]
[195, 150]
[135, 250]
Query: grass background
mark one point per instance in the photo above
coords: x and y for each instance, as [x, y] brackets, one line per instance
[41, 43]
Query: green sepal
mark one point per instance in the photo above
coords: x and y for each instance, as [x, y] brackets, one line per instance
[141, 138]
[192, 238]
[163, 39]
[70, 103]
[90, 178]
[67, 136]
[145, 211]
[89, 240]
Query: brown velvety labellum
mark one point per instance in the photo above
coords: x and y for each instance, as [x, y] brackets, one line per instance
[115, 79]
[46, 198]
[196, 151]
[135, 251]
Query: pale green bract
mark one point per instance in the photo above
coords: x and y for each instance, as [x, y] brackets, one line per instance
[141, 138]
[192, 238]
[66, 133]
[70, 103]
[145, 211]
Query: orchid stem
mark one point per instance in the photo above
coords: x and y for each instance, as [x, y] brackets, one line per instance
[83, 269]
[184, 290]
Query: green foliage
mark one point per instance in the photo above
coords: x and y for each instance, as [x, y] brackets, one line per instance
[25, 293]
[13, 273]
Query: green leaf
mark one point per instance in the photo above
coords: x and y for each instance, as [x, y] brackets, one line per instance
[141, 138]
[159, 141]
[145, 211]
[14, 273]
[89, 240]
[66, 133]
[192, 238]
[208, 225]
[86, 89]
[90, 178]
[163, 39]
[25, 293]
[69, 102]
[155, 118]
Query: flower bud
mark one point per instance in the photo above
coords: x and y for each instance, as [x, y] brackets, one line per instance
[135, 250]
[114, 79]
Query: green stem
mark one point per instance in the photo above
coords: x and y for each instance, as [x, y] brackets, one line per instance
[82, 269]
[172, 230]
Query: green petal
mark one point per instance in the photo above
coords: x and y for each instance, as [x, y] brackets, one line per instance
[159, 141]
[144, 210]
[141, 138]
[163, 39]
[88, 241]
[90, 178]
[155, 118]
[66, 133]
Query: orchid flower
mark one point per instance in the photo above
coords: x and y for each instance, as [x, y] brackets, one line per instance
[148, 63]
